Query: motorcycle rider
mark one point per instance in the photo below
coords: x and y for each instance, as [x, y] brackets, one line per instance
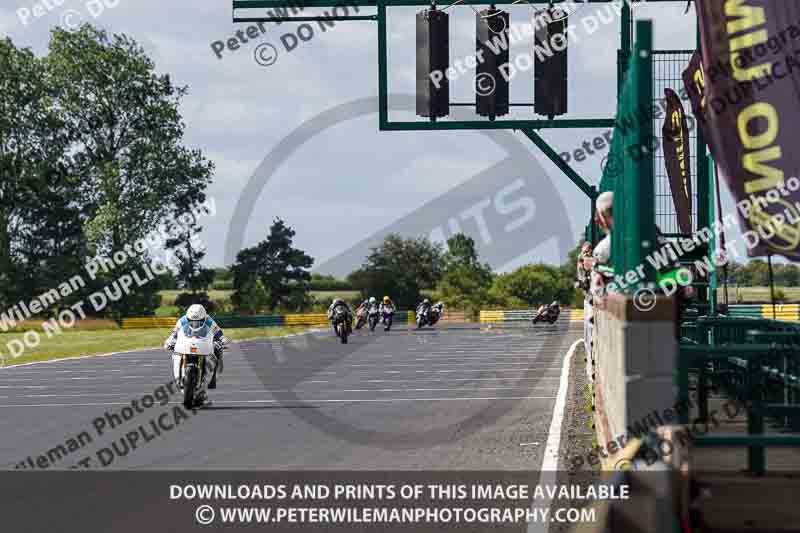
[553, 311]
[197, 323]
[548, 313]
[425, 305]
[338, 302]
[364, 308]
[387, 312]
[366, 304]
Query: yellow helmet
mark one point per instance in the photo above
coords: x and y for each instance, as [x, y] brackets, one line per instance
[386, 299]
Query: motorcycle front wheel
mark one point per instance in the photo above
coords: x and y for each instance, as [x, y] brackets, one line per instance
[189, 387]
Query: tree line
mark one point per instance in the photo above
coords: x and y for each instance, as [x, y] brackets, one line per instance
[274, 276]
[756, 274]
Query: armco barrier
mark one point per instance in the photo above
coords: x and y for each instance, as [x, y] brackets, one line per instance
[784, 312]
[311, 319]
[454, 316]
[499, 316]
[249, 321]
[149, 322]
[744, 311]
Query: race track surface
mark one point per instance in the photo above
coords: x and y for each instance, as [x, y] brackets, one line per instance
[455, 398]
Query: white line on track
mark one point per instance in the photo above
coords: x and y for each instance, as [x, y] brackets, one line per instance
[306, 400]
[549, 469]
[255, 382]
[272, 391]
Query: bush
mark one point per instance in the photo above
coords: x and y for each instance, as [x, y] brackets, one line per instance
[185, 299]
[532, 285]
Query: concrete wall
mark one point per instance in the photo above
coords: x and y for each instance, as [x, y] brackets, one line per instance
[634, 359]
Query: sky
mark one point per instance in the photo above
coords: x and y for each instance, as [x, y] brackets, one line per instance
[340, 184]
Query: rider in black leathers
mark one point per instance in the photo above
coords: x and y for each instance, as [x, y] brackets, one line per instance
[338, 302]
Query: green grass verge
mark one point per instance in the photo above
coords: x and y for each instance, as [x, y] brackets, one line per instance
[81, 343]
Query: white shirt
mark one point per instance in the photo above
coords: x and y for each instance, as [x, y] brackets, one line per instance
[602, 252]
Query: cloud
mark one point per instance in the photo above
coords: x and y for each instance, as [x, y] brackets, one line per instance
[350, 180]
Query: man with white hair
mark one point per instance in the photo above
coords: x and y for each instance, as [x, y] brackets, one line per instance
[600, 256]
[605, 219]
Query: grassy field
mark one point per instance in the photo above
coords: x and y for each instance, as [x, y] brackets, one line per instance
[80, 343]
[759, 294]
[327, 297]
[168, 297]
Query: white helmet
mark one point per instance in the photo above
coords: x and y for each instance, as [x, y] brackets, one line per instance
[372, 299]
[196, 315]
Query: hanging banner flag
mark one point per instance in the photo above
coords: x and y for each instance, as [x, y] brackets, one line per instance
[675, 140]
[694, 83]
[752, 112]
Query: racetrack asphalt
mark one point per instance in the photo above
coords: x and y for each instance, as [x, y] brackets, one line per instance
[445, 398]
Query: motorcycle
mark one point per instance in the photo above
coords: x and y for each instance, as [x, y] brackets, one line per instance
[341, 321]
[373, 316]
[429, 316]
[436, 313]
[388, 317]
[361, 317]
[195, 353]
[545, 314]
[422, 317]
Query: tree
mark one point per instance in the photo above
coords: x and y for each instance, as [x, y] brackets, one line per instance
[465, 281]
[533, 285]
[460, 252]
[757, 273]
[189, 252]
[126, 140]
[91, 161]
[272, 272]
[400, 268]
[39, 225]
[787, 275]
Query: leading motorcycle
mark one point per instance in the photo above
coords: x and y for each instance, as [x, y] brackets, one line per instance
[197, 359]
[342, 323]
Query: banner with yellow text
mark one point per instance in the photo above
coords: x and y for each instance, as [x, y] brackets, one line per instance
[750, 51]
[675, 138]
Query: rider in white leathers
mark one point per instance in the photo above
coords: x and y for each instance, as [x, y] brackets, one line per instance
[197, 323]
